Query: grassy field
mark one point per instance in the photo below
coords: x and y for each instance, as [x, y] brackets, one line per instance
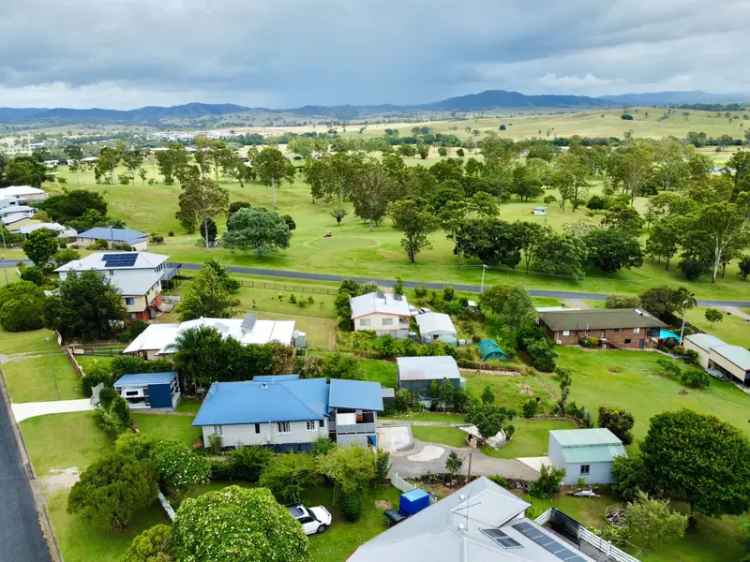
[731, 329]
[356, 249]
[171, 427]
[42, 378]
[35, 341]
[439, 434]
[530, 439]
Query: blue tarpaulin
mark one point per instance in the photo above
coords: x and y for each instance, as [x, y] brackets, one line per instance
[668, 335]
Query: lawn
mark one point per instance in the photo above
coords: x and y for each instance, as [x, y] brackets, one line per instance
[731, 329]
[64, 441]
[712, 540]
[530, 439]
[167, 426]
[444, 435]
[384, 372]
[35, 341]
[42, 378]
[355, 248]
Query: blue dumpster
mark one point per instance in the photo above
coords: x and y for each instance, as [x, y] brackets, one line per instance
[413, 501]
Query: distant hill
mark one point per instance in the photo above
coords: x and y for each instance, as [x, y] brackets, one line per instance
[204, 114]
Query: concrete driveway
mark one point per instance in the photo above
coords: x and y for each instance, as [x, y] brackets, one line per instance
[26, 410]
[429, 458]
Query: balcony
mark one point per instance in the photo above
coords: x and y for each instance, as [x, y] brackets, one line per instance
[363, 423]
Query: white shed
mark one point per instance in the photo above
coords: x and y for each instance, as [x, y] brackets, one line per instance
[585, 454]
[436, 326]
[702, 344]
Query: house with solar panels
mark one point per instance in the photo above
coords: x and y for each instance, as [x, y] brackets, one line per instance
[113, 237]
[585, 454]
[386, 314]
[138, 277]
[290, 414]
[483, 522]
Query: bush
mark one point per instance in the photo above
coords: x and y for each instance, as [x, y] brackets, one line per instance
[152, 545]
[597, 203]
[248, 463]
[548, 483]
[351, 506]
[541, 356]
[21, 307]
[288, 475]
[628, 477]
[93, 377]
[530, 407]
[132, 331]
[382, 465]
[622, 301]
[695, 378]
[34, 274]
[179, 467]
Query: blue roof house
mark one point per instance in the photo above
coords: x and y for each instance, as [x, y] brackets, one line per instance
[119, 236]
[149, 390]
[289, 413]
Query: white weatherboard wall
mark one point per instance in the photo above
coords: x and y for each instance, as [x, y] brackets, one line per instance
[599, 472]
[239, 435]
[383, 324]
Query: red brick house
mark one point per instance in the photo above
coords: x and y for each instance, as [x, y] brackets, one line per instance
[629, 328]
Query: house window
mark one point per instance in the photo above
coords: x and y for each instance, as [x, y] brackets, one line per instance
[628, 340]
[585, 468]
[129, 301]
[566, 332]
[364, 322]
[387, 322]
[257, 428]
[218, 430]
[310, 425]
[636, 330]
[284, 427]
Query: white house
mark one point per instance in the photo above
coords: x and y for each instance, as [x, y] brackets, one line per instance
[15, 213]
[289, 413]
[136, 275]
[23, 194]
[715, 354]
[386, 314]
[436, 326]
[63, 232]
[159, 339]
[585, 454]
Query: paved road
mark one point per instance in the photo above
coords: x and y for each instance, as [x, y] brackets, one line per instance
[21, 538]
[307, 276]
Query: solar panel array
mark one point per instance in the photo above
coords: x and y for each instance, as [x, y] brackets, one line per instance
[120, 260]
[547, 543]
[501, 538]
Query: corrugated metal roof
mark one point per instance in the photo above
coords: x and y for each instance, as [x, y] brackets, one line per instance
[140, 379]
[434, 367]
[126, 235]
[599, 319]
[739, 356]
[704, 341]
[272, 378]
[355, 395]
[381, 303]
[137, 283]
[592, 445]
[432, 322]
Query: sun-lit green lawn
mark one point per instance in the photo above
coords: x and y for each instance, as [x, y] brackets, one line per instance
[439, 434]
[167, 426]
[35, 341]
[731, 329]
[384, 372]
[42, 378]
[530, 439]
[356, 249]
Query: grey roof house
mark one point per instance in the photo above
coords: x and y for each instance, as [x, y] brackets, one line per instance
[418, 373]
[436, 326]
[386, 314]
[289, 413]
[133, 238]
[714, 354]
[481, 522]
[585, 454]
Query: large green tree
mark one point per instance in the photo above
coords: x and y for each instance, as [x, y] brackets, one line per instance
[611, 249]
[272, 167]
[257, 229]
[208, 296]
[21, 306]
[415, 223]
[492, 241]
[40, 246]
[237, 525]
[199, 200]
[700, 460]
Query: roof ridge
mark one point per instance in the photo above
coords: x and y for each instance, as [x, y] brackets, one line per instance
[285, 385]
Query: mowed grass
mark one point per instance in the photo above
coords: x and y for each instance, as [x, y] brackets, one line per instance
[530, 439]
[168, 426]
[42, 378]
[35, 341]
[359, 250]
[450, 436]
[732, 329]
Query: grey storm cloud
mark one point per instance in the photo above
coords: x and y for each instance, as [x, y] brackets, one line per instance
[281, 53]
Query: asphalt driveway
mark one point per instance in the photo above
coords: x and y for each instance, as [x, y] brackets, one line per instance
[21, 538]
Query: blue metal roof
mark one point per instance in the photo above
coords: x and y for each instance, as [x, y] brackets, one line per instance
[357, 395]
[114, 234]
[230, 403]
[139, 379]
[275, 378]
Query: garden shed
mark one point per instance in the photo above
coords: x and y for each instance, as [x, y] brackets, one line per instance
[149, 390]
[488, 350]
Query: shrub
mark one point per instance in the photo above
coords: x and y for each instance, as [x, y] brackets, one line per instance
[382, 465]
[628, 477]
[597, 203]
[695, 378]
[152, 545]
[548, 483]
[622, 301]
[21, 307]
[248, 463]
[96, 375]
[351, 506]
[214, 443]
[288, 475]
[34, 274]
[541, 355]
[530, 407]
[179, 467]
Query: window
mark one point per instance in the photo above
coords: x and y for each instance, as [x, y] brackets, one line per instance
[284, 427]
[131, 393]
[364, 322]
[387, 322]
[218, 430]
[628, 340]
[566, 332]
[257, 428]
[585, 468]
[310, 425]
[636, 330]
[129, 301]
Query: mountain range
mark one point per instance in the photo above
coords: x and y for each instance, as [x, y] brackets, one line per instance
[472, 103]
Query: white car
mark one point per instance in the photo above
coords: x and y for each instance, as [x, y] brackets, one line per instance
[314, 520]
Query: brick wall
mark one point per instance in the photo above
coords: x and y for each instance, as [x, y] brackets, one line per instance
[624, 337]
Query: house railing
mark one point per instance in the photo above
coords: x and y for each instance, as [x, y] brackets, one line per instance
[355, 428]
[583, 535]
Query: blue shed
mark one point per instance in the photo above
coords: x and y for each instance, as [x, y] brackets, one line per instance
[413, 501]
[149, 390]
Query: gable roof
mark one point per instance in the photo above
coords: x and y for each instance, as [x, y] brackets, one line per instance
[136, 284]
[737, 355]
[592, 445]
[704, 341]
[139, 379]
[64, 231]
[379, 303]
[355, 395]
[126, 235]
[451, 530]
[599, 319]
[430, 322]
[431, 367]
[20, 190]
[98, 262]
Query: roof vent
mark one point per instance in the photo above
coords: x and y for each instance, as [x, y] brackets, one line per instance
[638, 311]
[248, 323]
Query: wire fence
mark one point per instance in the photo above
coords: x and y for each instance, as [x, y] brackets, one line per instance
[315, 290]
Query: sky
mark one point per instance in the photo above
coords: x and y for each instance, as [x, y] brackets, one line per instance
[284, 53]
